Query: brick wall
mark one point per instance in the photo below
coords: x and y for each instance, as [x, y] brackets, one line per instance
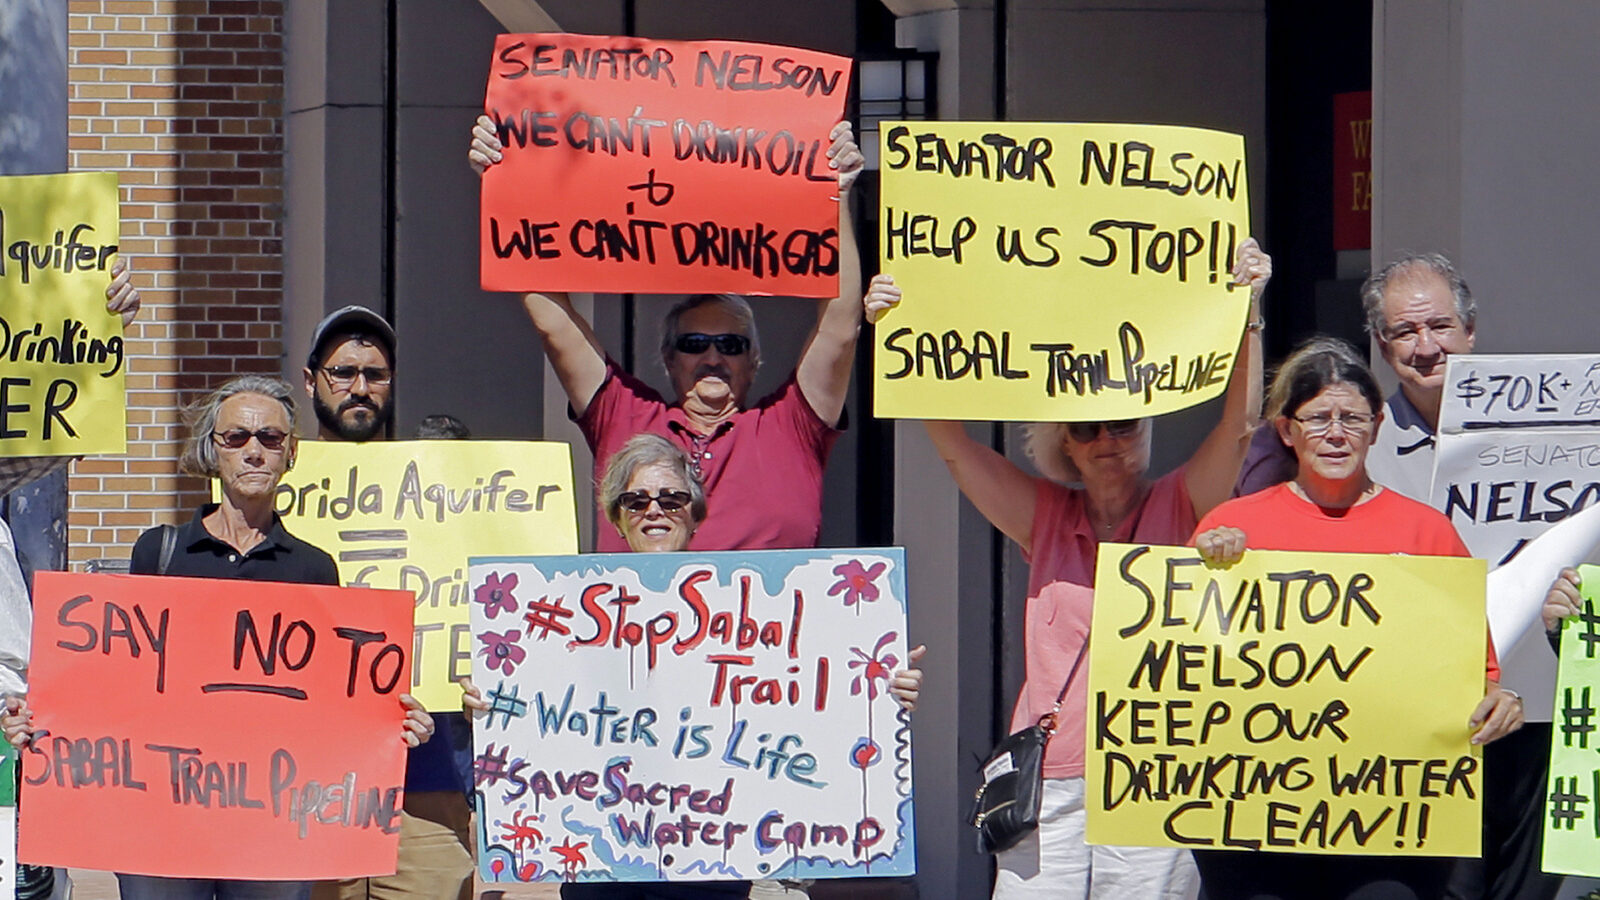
[183, 99]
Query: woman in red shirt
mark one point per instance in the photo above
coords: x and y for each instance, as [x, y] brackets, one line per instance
[1326, 406]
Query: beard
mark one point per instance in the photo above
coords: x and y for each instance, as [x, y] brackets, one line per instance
[357, 432]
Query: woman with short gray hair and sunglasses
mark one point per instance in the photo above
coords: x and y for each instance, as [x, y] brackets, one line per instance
[243, 435]
[1059, 528]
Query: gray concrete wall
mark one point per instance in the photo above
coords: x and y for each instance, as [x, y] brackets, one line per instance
[1484, 129]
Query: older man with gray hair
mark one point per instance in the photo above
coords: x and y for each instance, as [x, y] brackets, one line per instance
[1419, 310]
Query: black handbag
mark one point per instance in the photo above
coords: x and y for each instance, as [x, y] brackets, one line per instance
[1006, 808]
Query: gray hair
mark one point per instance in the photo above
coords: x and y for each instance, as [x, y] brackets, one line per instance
[642, 451]
[1042, 445]
[736, 306]
[200, 451]
[1373, 288]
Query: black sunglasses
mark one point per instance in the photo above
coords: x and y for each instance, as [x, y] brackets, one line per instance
[639, 501]
[696, 343]
[234, 438]
[1084, 432]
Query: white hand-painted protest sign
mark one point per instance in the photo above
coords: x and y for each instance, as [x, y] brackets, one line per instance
[1518, 451]
[692, 716]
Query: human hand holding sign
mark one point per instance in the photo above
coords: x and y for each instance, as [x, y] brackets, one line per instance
[1498, 715]
[1563, 600]
[882, 295]
[417, 727]
[1253, 267]
[845, 157]
[122, 298]
[1221, 546]
[486, 149]
[17, 722]
[907, 683]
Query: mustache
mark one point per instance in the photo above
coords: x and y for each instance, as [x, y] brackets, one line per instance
[353, 402]
[719, 371]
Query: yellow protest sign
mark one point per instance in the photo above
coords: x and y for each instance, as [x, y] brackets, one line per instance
[1282, 703]
[1057, 272]
[408, 515]
[61, 352]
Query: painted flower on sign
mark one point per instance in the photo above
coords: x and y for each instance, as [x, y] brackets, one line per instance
[572, 858]
[866, 752]
[495, 594]
[502, 650]
[857, 582]
[875, 667]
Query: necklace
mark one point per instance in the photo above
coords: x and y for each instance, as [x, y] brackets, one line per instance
[1109, 526]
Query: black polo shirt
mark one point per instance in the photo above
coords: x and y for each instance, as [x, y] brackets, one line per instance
[279, 557]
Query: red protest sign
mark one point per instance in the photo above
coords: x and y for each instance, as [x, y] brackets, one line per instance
[661, 166]
[215, 729]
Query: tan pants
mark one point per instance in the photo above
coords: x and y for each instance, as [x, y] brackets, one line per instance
[435, 855]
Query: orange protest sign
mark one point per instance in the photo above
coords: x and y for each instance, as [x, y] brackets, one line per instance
[215, 729]
[661, 166]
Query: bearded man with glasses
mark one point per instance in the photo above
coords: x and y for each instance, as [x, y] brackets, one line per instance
[349, 376]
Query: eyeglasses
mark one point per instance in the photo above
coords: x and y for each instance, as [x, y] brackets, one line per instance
[639, 501]
[344, 376]
[1084, 432]
[696, 343]
[1319, 424]
[234, 438]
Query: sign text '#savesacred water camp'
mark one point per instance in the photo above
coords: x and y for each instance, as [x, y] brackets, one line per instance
[1058, 272]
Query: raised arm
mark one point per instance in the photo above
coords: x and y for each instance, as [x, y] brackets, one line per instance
[996, 486]
[571, 346]
[1215, 465]
[569, 342]
[824, 368]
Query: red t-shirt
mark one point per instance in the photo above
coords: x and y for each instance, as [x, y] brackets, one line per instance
[761, 469]
[1277, 518]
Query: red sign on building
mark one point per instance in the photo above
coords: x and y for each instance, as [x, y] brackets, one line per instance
[1352, 170]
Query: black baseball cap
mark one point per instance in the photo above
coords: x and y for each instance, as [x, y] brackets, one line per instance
[345, 320]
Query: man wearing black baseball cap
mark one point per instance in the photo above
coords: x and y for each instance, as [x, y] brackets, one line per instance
[350, 374]
[350, 379]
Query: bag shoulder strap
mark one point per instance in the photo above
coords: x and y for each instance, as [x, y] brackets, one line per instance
[1073, 673]
[169, 544]
[1048, 720]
